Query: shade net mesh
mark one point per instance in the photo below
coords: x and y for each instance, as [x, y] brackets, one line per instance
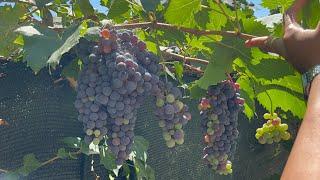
[40, 113]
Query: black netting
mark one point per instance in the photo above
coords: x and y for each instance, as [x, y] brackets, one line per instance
[41, 113]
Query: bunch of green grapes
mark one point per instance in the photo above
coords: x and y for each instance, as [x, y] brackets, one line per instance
[273, 130]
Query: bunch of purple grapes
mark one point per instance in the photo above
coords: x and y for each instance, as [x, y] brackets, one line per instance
[172, 113]
[111, 88]
[219, 119]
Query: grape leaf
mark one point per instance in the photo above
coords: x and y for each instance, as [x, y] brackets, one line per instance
[178, 66]
[73, 69]
[140, 147]
[196, 92]
[118, 8]
[73, 142]
[143, 170]
[85, 7]
[38, 48]
[9, 18]
[107, 159]
[271, 69]
[150, 5]
[10, 176]
[212, 75]
[30, 163]
[69, 42]
[282, 99]
[252, 26]
[311, 14]
[202, 18]
[225, 52]
[44, 46]
[247, 92]
[62, 153]
[181, 11]
[272, 4]
[217, 20]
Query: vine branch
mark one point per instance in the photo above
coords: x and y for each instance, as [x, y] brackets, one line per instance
[4, 171]
[184, 58]
[157, 25]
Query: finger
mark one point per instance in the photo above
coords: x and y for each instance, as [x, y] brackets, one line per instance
[256, 42]
[268, 44]
[290, 17]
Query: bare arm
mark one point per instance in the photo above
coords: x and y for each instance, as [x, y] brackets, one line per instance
[304, 159]
[300, 47]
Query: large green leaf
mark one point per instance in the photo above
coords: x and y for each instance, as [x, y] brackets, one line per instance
[252, 26]
[272, 4]
[140, 147]
[311, 14]
[217, 20]
[118, 8]
[271, 69]
[9, 19]
[281, 98]
[38, 48]
[85, 7]
[44, 46]
[30, 163]
[150, 5]
[181, 11]
[225, 52]
[107, 159]
[143, 170]
[247, 92]
[68, 42]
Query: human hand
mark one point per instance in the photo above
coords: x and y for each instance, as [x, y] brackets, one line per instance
[300, 47]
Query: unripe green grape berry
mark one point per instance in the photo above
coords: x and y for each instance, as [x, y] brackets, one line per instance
[170, 98]
[89, 132]
[213, 117]
[228, 166]
[171, 132]
[97, 132]
[229, 171]
[179, 104]
[160, 102]
[210, 124]
[285, 136]
[262, 140]
[96, 141]
[171, 143]
[277, 139]
[162, 123]
[166, 136]
[274, 116]
[91, 98]
[269, 141]
[126, 121]
[257, 136]
[178, 126]
[210, 131]
[267, 116]
[180, 141]
[283, 127]
[259, 130]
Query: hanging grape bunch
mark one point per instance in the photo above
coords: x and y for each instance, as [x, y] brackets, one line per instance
[273, 130]
[172, 113]
[111, 87]
[219, 119]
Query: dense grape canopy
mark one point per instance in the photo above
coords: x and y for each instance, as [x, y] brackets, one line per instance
[219, 118]
[117, 75]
